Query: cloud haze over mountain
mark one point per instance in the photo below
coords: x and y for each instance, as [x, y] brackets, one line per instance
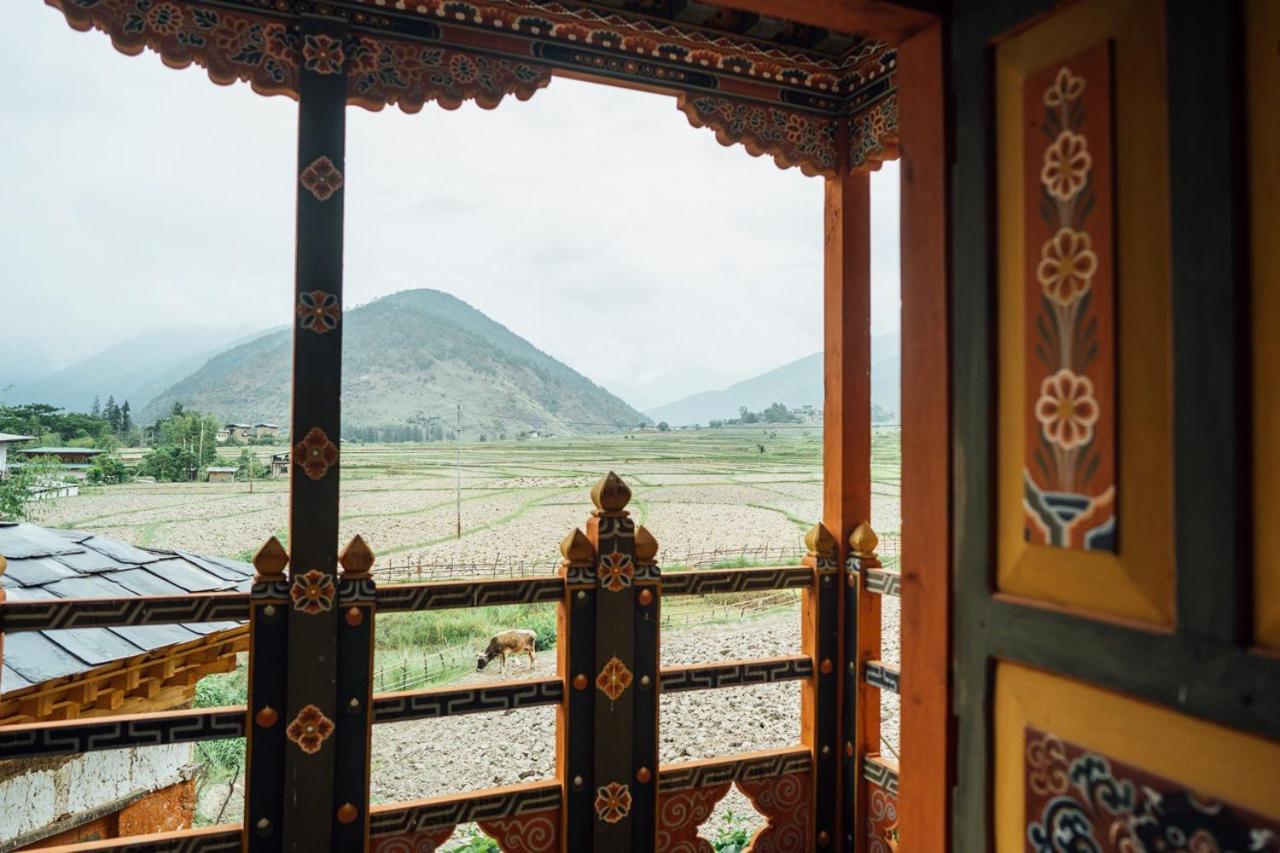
[592, 221]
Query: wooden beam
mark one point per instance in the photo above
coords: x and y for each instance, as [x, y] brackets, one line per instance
[846, 457]
[924, 795]
[311, 693]
[884, 21]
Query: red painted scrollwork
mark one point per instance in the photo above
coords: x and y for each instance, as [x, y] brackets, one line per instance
[784, 801]
[680, 814]
[538, 832]
[425, 841]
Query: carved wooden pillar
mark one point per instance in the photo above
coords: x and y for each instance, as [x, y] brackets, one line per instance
[264, 729]
[820, 695]
[356, 606]
[625, 733]
[576, 649]
[846, 462]
[316, 428]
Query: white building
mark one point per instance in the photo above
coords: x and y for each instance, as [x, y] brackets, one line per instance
[5, 440]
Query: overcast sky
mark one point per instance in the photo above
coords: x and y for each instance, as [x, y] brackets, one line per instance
[593, 221]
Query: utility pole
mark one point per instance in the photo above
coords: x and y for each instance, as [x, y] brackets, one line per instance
[457, 443]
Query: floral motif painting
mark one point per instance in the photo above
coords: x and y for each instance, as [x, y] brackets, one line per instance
[1069, 475]
[1079, 800]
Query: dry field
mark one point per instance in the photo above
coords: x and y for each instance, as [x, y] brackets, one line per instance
[695, 491]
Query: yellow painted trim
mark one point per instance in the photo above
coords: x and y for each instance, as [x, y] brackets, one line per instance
[1263, 81]
[1209, 759]
[1136, 584]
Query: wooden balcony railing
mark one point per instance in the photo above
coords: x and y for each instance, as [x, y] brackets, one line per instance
[609, 790]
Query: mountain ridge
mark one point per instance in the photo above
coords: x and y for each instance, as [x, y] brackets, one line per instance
[411, 358]
[129, 370]
[796, 383]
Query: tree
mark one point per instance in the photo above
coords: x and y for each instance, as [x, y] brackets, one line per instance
[249, 468]
[96, 411]
[663, 426]
[106, 468]
[111, 412]
[17, 491]
[126, 420]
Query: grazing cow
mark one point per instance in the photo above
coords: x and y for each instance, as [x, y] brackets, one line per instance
[506, 643]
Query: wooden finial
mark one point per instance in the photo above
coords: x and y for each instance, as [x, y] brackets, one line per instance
[357, 558]
[819, 541]
[270, 559]
[611, 494]
[646, 545]
[863, 541]
[576, 547]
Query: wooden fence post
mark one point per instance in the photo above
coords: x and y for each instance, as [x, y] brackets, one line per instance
[820, 696]
[576, 649]
[264, 728]
[356, 605]
[861, 724]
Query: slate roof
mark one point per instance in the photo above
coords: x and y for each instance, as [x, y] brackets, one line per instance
[46, 563]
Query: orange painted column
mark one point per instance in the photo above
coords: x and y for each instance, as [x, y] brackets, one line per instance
[846, 490]
[924, 770]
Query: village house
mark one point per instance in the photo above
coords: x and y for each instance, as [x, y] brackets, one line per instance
[221, 473]
[71, 460]
[97, 672]
[266, 430]
[222, 435]
[280, 464]
[240, 432]
[7, 439]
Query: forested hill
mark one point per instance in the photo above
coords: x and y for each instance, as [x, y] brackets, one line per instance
[410, 358]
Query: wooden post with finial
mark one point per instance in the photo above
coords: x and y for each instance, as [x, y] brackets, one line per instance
[623, 805]
[356, 606]
[264, 728]
[575, 717]
[861, 704]
[820, 695]
[647, 610]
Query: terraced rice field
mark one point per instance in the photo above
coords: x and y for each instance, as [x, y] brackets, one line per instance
[696, 491]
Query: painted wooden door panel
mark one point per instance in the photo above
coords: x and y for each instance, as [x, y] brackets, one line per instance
[1085, 497]
[1115, 194]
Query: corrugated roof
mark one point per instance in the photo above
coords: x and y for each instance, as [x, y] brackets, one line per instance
[8, 436]
[46, 563]
[82, 451]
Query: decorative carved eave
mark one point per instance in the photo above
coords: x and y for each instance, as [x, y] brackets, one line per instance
[807, 141]
[383, 71]
[230, 44]
[773, 99]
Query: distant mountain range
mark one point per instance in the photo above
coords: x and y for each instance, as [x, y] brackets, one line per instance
[796, 384]
[138, 370]
[410, 359]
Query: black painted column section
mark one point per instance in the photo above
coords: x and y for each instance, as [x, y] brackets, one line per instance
[575, 720]
[834, 804]
[1209, 233]
[647, 616]
[316, 430]
[613, 535]
[265, 741]
[357, 602]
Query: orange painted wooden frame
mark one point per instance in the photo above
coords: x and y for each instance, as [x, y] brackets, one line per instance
[925, 765]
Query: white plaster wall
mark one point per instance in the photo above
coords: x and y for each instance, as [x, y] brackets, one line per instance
[32, 800]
